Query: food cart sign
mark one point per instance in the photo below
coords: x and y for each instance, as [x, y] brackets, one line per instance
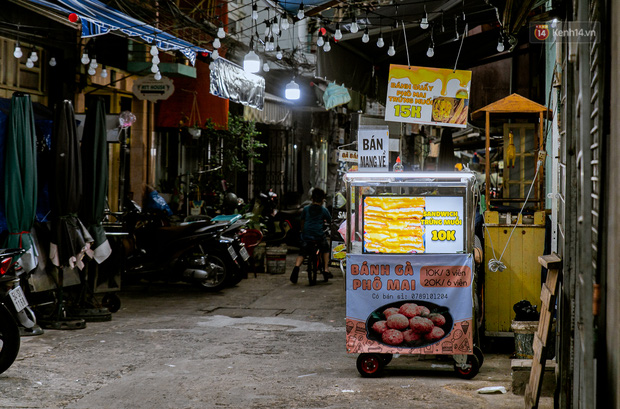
[429, 96]
[403, 304]
[373, 148]
[151, 89]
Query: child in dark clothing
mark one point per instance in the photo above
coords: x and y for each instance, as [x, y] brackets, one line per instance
[313, 219]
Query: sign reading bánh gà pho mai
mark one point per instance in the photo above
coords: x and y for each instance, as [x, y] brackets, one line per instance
[428, 96]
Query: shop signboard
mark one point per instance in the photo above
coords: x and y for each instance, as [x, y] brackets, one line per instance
[150, 89]
[409, 304]
[373, 148]
[429, 96]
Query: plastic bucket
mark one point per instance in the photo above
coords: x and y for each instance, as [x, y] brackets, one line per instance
[276, 260]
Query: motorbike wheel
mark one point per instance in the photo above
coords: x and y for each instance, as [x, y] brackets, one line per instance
[9, 339]
[217, 278]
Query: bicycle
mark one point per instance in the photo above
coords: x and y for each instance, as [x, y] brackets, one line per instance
[314, 261]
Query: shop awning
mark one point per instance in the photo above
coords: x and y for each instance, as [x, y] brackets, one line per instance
[276, 111]
[99, 19]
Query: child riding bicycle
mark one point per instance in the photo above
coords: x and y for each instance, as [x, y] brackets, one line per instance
[313, 218]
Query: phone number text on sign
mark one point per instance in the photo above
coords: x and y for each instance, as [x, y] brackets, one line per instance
[445, 276]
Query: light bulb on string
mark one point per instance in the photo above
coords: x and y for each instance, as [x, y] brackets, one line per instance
[154, 51]
[157, 76]
[17, 53]
[338, 33]
[220, 32]
[29, 63]
[33, 56]
[355, 27]
[52, 62]
[424, 22]
[275, 28]
[272, 44]
[217, 43]
[430, 52]
[254, 11]
[104, 72]
[266, 67]
[500, 44]
[267, 28]
[300, 13]
[91, 71]
[85, 60]
[327, 47]
[320, 41]
[456, 28]
[155, 59]
[215, 54]
[279, 53]
[365, 37]
[380, 42]
[284, 24]
[154, 68]
[93, 62]
[391, 51]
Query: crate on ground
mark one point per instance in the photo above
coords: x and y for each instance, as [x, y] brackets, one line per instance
[276, 260]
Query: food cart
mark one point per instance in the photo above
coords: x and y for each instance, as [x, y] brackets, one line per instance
[410, 269]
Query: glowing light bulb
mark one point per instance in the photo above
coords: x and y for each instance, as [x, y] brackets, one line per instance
[320, 42]
[29, 63]
[34, 57]
[338, 33]
[52, 62]
[217, 43]
[430, 52]
[424, 22]
[18, 51]
[157, 76]
[284, 24]
[154, 50]
[215, 55]
[365, 37]
[251, 62]
[275, 28]
[104, 73]
[355, 27]
[300, 13]
[500, 45]
[391, 50]
[254, 12]
[266, 67]
[292, 90]
[272, 44]
[327, 46]
[85, 60]
[380, 42]
[155, 59]
[91, 71]
[154, 68]
[278, 53]
[220, 32]
[93, 63]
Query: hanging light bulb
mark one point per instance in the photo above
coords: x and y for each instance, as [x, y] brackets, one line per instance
[320, 41]
[424, 22]
[355, 27]
[338, 33]
[93, 62]
[266, 67]
[155, 59]
[220, 32]
[327, 46]
[292, 90]
[254, 11]
[33, 56]
[275, 27]
[272, 44]
[391, 50]
[29, 63]
[52, 62]
[380, 42]
[154, 68]
[278, 53]
[157, 76]
[251, 62]
[284, 25]
[500, 44]
[217, 43]
[85, 60]
[104, 72]
[18, 51]
[154, 50]
[267, 28]
[431, 51]
[215, 55]
[300, 13]
[456, 28]
[91, 71]
[365, 37]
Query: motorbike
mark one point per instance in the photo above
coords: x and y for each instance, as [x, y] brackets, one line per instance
[194, 252]
[277, 226]
[14, 309]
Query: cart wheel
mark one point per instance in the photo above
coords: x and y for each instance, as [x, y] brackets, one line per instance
[479, 355]
[386, 358]
[111, 302]
[472, 367]
[370, 365]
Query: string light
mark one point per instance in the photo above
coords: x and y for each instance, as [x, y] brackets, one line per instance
[338, 33]
[327, 46]
[104, 72]
[254, 11]
[29, 63]
[91, 70]
[154, 68]
[157, 76]
[424, 22]
[52, 62]
[354, 26]
[365, 37]
[267, 28]
[18, 51]
[500, 44]
[85, 60]
[33, 56]
[456, 28]
[215, 54]
[320, 41]
[431, 47]
[217, 43]
[93, 62]
[275, 27]
[266, 67]
[154, 51]
[220, 32]
[278, 53]
[284, 24]
[300, 13]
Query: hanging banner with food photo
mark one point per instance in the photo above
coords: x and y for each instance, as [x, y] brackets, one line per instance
[429, 96]
[409, 305]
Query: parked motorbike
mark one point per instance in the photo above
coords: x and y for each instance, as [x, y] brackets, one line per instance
[13, 308]
[277, 226]
[195, 252]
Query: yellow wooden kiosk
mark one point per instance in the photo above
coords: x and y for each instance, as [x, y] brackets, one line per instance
[523, 138]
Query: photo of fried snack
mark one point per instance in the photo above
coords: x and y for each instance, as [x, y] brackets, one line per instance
[393, 224]
[450, 110]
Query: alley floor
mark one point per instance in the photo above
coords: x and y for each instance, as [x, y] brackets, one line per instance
[265, 343]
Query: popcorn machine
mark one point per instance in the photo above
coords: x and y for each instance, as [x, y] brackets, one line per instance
[409, 270]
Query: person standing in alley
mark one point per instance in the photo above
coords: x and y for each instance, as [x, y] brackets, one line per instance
[313, 220]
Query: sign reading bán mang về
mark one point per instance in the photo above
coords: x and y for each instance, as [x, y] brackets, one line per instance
[403, 304]
[429, 96]
[372, 148]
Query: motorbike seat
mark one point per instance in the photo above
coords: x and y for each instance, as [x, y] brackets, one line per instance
[168, 234]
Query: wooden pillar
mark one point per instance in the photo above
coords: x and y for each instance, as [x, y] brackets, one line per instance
[541, 172]
[487, 129]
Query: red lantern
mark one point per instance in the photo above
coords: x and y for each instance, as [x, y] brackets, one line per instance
[73, 17]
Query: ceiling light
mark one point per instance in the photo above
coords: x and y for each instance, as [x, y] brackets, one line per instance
[338, 33]
[220, 32]
[251, 62]
[292, 90]
[365, 37]
[18, 52]
[355, 27]
[300, 13]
